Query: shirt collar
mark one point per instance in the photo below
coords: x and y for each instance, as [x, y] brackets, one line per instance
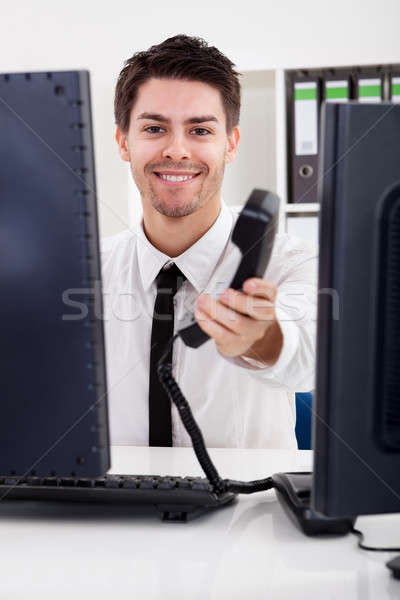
[197, 263]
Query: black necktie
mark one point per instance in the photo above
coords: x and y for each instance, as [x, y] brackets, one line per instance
[169, 281]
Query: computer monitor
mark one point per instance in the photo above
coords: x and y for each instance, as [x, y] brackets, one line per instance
[53, 418]
[356, 426]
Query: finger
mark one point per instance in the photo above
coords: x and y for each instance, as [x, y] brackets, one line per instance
[230, 319]
[259, 287]
[252, 306]
[218, 332]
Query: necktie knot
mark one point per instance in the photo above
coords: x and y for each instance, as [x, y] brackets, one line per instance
[170, 279]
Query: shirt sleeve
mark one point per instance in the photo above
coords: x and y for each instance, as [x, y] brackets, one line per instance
[295, 274]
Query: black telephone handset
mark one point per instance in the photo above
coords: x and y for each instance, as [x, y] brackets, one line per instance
[254, 235]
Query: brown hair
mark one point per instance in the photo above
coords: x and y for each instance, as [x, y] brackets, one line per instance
[178, 57]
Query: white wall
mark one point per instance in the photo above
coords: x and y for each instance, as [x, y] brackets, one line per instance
[255, 164]
[99, 36]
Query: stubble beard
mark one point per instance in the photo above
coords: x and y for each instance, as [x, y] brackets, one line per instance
[176, 211]
[200, 198]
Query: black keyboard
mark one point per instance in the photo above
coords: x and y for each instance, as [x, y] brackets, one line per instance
[177, 498]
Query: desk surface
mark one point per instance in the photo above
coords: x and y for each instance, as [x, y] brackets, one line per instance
[248, 549]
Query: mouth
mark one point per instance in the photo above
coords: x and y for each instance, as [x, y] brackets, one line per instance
[176, 178]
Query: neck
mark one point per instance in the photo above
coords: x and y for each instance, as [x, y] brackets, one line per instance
[174, 235]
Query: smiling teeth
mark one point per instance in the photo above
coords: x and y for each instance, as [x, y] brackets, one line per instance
[176, 177]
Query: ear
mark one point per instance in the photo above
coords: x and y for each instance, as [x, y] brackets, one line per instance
[233, 141]
[122, 141]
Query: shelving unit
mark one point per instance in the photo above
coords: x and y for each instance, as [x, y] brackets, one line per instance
[262, 158]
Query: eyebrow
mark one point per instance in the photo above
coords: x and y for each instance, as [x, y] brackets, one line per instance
[162, 119]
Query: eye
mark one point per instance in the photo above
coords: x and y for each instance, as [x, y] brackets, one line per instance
[153, 129]
[200, 131]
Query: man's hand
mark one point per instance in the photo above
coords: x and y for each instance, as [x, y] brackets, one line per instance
[243, 323]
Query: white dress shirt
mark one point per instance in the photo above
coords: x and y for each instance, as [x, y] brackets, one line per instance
[238, 403]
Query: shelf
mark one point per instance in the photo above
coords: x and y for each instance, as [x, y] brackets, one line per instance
[289, 209]
[311, 207]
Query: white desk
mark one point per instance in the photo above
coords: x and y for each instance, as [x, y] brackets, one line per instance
[246, 550]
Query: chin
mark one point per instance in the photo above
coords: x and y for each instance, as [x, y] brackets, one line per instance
[169, 209]
[175, 211]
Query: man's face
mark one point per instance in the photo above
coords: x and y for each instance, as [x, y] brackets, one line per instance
[177, 145]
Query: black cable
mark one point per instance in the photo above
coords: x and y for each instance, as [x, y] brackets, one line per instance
[222, 485]
[248, 487]
[360, 535]
[164, 370]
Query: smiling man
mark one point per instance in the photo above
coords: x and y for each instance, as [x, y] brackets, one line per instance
[177, 111]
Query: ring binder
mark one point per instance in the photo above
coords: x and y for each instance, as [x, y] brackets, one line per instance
[305, 130]
[394, 93]
[337, 89]
[370, 87]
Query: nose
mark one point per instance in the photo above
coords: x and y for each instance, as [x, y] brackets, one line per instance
[176, 149]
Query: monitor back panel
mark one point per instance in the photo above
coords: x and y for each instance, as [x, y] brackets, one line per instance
[53, 383]
[357, 454]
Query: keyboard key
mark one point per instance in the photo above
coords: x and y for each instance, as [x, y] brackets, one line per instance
[131, 483]
[112, 482]
[51, 481]
[166, 484]
[85, 483]
[184, 484]
[67, 482]
[201, 484]
[147, 483]
[11, 481]
[33, 480]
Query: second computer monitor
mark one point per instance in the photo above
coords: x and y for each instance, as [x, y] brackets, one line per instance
[357, 421]
[53, 411]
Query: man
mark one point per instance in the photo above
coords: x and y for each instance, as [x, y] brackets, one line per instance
[177, 109]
